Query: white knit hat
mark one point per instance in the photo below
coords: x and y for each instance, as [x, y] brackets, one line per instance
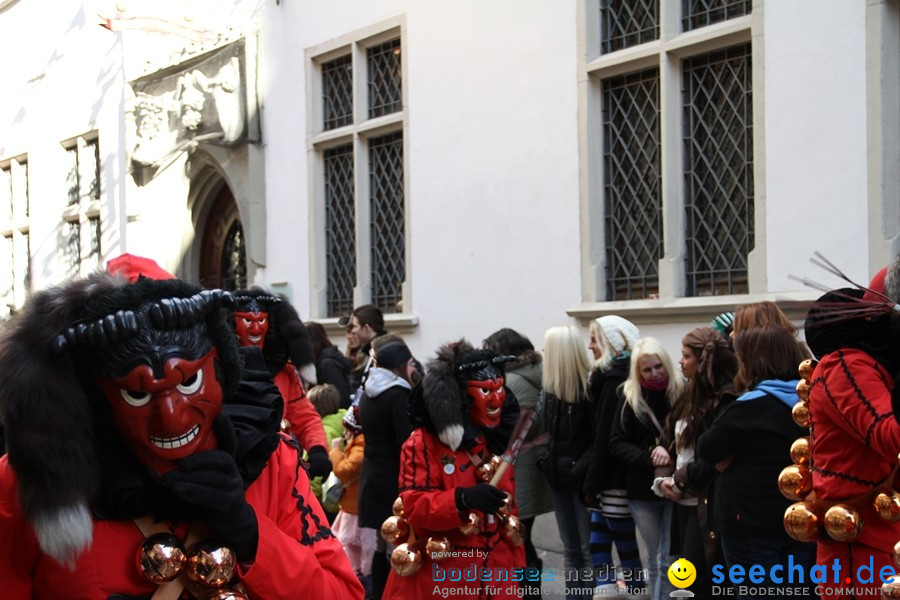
[621, 333]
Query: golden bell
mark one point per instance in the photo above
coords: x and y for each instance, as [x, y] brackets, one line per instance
[485, 471]
[513, 530]
[795, 481]
[472, 526]
[210, 564]
[843, 523]
[887, 505]
[397, 507]
[806, 368]
[803, 390]
[801, 521]
[507, 505]
[800, 451]
[161, 557]
[394, 530]
[405, 561]
[891, 588]
[437, 548]
[226, 595]
[800, 414]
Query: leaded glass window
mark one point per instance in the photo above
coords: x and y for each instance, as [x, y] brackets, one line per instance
[6, 192]
[718, 133]
[700, 13]
[387, 210]
[626, 23]
[337, 92]
[91, 164]
[234, 259]
[72, 233]
[94, 225]
[6, 290]
[385, 75]
[632, 190]
[26, 277]
[340, 229]
[72, 177]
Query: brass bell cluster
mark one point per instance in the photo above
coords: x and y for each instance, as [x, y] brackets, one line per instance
[407, 558]
[162, 557]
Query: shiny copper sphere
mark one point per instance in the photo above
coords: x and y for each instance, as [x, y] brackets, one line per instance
[405, 561]
[843, 523]
[394, 530]
[507, 505]
[795, 481]
[472, 525]
[806, 368]
[801, 521]
[485, 471]
[513, 530]
[800, 451]
[891, 588]
[226, 595]
[887, 505]
[161, 557]
[800, 414]
[896, 556]
[397, 507]
[803, 390]
[210, 564]
[437, 548]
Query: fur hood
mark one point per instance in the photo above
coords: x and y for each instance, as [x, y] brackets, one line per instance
[52, 350]
[440, 403]
[287, 338]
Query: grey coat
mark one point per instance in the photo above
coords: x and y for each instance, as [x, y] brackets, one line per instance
[532, 490]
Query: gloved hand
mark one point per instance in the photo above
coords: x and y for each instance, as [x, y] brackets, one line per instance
[210, 480]
[481, 496]
[319, 463]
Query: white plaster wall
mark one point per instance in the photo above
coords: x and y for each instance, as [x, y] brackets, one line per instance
[815, 149]
[61, 78]
[492, 153]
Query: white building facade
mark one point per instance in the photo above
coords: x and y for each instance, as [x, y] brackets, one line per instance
[465, 165]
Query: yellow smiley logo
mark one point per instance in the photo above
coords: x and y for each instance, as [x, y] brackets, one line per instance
[682, 573]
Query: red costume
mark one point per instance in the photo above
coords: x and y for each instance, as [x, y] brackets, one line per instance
[271, 324]
[465, 418]
[854, 436]
[137, 428]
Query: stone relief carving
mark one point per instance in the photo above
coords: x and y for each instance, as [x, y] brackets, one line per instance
[203, 99]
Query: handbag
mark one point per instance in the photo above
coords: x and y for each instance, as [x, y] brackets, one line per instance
[332, 490]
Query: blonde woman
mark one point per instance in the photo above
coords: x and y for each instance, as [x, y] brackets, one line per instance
[612, 339]
[569, 417]
[652, 388]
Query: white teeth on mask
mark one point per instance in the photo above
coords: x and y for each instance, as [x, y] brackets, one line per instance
[176, 442]
[494, 411]
[254, 338]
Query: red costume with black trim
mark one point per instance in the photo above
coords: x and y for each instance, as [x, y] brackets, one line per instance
[854, 436]
[465, 417]
[273, 325]
[131, 411]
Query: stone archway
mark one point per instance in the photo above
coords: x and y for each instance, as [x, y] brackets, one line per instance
[223, 255]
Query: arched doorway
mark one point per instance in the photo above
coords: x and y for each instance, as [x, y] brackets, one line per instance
[223, 254]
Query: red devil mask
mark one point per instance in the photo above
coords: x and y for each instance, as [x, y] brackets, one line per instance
[166, 416]
[488, 396]
[251, 327]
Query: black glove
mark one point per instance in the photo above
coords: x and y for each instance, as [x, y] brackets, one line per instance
[319, 463]
[481, 496]
[210, 481]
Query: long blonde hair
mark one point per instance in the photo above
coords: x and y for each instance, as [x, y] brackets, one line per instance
[631, 389]
[566, 364]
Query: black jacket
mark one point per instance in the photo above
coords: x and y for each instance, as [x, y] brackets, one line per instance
[334, 368]
[605, 471]
[759, 434]
[386, 425]
[571, 428]
[633, 439]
